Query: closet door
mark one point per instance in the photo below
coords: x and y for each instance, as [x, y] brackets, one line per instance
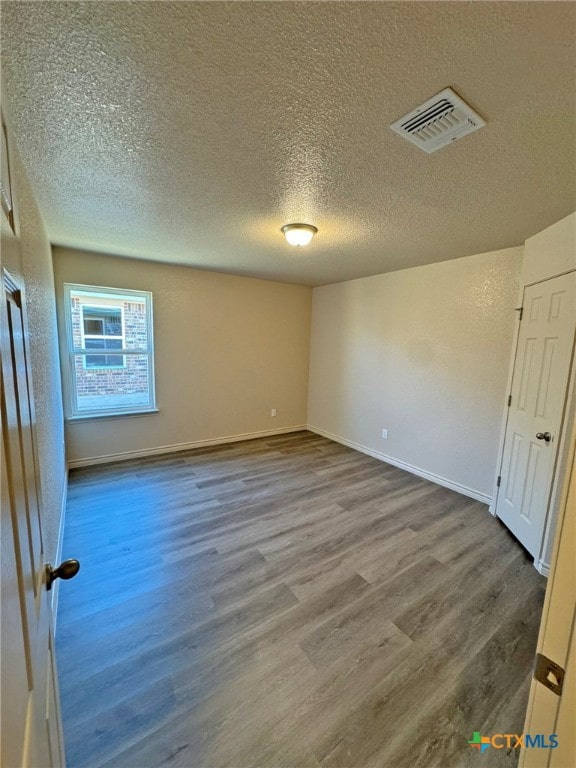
[539, 385]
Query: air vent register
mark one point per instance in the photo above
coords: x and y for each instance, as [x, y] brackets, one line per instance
[438, 122]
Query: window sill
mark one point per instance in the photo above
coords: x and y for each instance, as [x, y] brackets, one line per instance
[100, 416]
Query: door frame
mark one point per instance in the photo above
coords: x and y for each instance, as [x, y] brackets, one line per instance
[542, 561]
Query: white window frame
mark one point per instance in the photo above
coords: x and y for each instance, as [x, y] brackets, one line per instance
[92, 294]
[102, 336]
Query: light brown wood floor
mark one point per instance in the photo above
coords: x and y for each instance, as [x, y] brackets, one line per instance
[288, 602]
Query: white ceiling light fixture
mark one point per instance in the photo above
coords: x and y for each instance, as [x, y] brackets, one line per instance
[299, 234]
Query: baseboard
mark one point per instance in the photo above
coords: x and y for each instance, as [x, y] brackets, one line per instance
[111, 457]
[542, 567]
[453, 486]
[59, 547]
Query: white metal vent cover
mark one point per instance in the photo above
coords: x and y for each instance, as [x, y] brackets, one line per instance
[439, 121]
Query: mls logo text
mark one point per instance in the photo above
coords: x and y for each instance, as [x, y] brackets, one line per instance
[513, 740]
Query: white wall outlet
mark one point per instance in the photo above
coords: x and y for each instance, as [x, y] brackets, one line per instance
[385, 434]
[273, 412]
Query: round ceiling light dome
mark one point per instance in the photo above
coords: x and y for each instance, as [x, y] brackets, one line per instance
[299, 234]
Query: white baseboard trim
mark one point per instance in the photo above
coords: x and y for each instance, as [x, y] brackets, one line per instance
[542, 567]
[111, 457]
[59, 547]
[453, 486]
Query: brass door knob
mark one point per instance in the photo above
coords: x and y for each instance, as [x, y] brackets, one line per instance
[66, 570]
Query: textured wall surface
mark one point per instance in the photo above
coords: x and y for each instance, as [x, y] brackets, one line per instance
[29, 259]
[424, 353]
[190, 132]
[228, 350]
[550, 252]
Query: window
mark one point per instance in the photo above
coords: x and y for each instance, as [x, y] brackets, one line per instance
[110, 350]
[103, 328]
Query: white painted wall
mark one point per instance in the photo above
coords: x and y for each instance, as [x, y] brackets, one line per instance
[27, 257]
[228, 350]
[423, 352]
[551, 252]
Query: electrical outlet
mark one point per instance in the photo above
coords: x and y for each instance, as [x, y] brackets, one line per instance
[273, 412]
[385, 434]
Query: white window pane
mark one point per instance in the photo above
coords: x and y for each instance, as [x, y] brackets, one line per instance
[104, 361]
[109, 388]
[101, 321]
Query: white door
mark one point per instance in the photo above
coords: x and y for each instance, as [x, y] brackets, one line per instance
[547, 711]
[539, 385]
[31, 733]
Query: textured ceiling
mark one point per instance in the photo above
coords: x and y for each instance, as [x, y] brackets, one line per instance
[189, 132]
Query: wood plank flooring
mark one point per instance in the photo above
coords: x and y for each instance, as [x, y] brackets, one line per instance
[288, 603]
